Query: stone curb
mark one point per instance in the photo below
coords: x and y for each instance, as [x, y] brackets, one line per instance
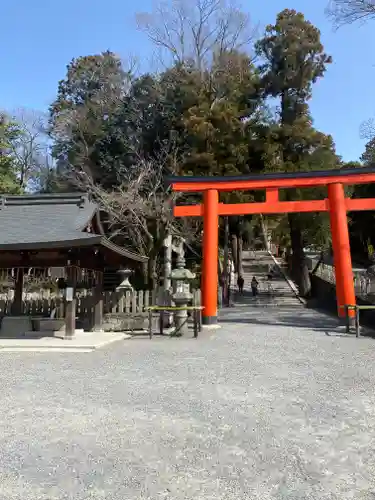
[50, 345]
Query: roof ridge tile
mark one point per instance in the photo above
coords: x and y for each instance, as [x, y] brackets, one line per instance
[79, 199]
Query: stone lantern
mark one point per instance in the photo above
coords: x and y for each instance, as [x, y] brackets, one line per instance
[181, 278]
[125, 284]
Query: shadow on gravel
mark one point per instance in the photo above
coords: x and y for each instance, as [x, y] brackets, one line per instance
[325, 323]
[285, 320]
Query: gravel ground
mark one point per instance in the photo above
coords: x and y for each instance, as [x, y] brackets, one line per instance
[278, 404]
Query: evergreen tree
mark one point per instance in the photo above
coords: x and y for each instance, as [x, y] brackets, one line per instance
[293, 60]
[80, 117]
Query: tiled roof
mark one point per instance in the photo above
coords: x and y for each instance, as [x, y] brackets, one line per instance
[50, 221]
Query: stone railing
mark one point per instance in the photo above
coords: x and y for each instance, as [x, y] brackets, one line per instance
[364, 283]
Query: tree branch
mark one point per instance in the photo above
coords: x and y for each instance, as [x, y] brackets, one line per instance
[343, 12]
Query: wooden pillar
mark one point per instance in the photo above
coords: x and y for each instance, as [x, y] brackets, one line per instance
[17, 306]
[98, 302]
[70, 305]
[345, 291]
[210, 257]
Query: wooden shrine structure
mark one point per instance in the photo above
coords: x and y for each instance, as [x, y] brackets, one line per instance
[58, 230]
[336, 204]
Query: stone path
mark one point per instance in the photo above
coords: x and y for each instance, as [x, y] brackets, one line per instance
[277, 404]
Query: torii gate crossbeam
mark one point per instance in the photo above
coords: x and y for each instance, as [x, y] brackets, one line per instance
[336, 204]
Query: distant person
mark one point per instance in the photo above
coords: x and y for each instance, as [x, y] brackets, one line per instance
[271, 273]
[240, 283]
[254, 286]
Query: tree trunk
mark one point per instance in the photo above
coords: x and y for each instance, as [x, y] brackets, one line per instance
[151, 270]
[226, 263]
[300, 268]
[264, 227]
[235, 252]
[239, 255]
[145, 274]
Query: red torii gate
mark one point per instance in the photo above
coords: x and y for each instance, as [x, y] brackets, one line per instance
[336, 204]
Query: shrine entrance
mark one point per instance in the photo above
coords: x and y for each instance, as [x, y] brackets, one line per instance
[336, 204]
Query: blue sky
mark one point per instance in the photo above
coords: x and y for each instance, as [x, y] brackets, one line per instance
[38, 38]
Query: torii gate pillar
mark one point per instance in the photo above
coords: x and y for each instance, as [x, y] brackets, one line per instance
[210, 256]
[341, 248]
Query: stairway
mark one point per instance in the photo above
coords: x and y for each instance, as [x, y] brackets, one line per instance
[276, 292]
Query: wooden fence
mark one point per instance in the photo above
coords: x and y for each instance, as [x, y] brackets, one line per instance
[131, 303]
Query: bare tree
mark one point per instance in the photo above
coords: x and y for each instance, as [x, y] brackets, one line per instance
[31, 151]
[194, 30]
[139, 211]
[349, 11]
[367, 129]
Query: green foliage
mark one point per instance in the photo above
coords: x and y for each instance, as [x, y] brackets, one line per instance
[294, 60]
[9, 133]
[215, 132]
[211, 113]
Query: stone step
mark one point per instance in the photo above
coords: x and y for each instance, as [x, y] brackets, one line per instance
[258, 264]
